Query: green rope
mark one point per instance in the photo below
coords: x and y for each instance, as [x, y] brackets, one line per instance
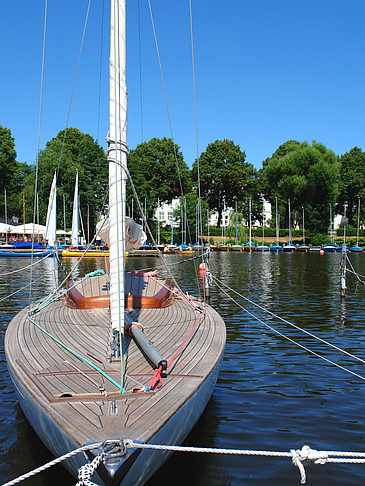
[91, 274]
[74, 352]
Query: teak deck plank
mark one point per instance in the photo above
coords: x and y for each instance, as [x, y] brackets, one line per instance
[88, 333]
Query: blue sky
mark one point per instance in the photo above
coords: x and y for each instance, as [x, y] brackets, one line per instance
[266, 71]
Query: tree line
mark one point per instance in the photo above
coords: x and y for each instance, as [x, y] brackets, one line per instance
[312, 176]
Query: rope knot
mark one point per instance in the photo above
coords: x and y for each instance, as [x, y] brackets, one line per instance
[156, 380]
[87, 470]
[307, 454]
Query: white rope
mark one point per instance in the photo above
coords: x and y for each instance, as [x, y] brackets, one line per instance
[27, 266]
[25, 286]
[286, 322]
[50, 464]
[292, 340]
[87, 470]
[298, 456]
[306, 454]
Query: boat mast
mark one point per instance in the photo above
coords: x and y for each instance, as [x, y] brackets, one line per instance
[290, 238]
[358, 221]
[249, 204]
[236, 226]
[75, 214]
[331, 222]
[51, 219]
[276, 217]
[117, 159]
[263, 222]
[6, 220]
[303, 226]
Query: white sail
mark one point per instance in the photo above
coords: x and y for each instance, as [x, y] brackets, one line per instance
[117, 158]
[51, 220]
[75, 214]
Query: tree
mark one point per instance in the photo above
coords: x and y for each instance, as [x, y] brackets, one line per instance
[352, 182]
[157, 173]
[79, 151]
[308, 176]
[225, 177]
[11, 175]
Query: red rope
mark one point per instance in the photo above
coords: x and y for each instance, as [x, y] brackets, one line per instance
[156, 380]
[187, 337]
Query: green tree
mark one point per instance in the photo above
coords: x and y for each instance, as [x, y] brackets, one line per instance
[81, 152]
[11, 175]
[225, 177]
[352, 182]
[157, 173]
[308, 176]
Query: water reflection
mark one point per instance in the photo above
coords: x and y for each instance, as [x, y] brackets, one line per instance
[270, 395]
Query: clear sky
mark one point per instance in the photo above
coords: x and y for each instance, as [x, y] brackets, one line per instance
[266, 71]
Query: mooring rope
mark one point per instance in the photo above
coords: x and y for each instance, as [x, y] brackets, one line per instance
[284, 320]
[353, 271]
[292, 340]
[297, 456]
[27, 266]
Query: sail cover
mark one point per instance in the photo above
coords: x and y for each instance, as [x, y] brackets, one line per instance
[135, 236]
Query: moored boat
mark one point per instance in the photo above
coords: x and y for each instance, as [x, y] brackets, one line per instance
[82, 361]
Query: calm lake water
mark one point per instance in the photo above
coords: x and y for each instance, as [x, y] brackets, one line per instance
[271, 394]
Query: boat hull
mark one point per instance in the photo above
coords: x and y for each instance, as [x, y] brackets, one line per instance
[23, 253]
[147, 462]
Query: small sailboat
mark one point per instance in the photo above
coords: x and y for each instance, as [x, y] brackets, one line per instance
[82, 360]
[276, 247]
[303, 247]
[330, 247]
[357, 248]
[32, 248]
[263, 247]
[289, 247]
[250, 245]
[236, 246]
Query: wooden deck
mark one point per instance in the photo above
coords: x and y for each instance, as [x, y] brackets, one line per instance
[77, 397]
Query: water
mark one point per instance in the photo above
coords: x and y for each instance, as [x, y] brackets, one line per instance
[271, 394]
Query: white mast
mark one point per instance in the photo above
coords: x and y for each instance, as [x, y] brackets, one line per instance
[75, 214]
[117, 158]
[51, 214]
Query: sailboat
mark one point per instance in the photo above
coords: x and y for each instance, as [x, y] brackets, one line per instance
[250, 245]
[263, 247]
[289, 247]
[75, 250]
[31, 248]
[276, 247]
[330, 247]
[132, 359]
[236, 246]
[357, 248]
[303, 247]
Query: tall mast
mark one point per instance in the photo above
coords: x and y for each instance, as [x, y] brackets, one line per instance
[358, 222]
[276, 217]
[75, 214]
[117, 159]
[290, 237]
[6, 220]
[249, 210]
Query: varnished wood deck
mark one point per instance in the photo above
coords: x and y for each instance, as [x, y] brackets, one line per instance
[77, 397]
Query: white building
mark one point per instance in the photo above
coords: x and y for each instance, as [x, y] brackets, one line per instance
[166, 211]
